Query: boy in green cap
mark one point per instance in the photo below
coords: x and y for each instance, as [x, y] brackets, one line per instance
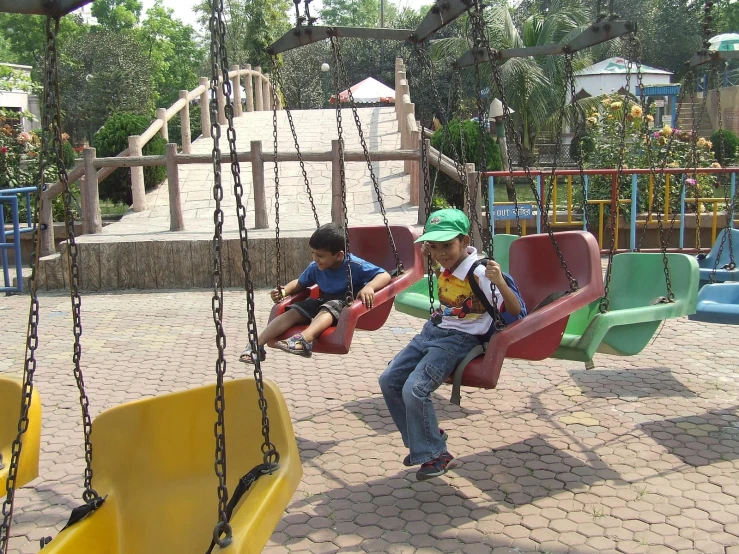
[463, 320]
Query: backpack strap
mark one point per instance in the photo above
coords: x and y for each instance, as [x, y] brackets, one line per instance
[477, 291]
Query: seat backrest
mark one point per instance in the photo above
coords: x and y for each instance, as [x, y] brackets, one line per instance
[502, 246]
[371, 243]
[710, 260]
[537, 271]
[637, 278]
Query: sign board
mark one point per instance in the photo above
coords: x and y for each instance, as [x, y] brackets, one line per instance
[508, 212]
[659, 103]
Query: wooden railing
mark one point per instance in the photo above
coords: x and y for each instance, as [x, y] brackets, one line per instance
[257, 87]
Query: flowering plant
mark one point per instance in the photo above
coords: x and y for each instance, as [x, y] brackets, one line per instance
[644, 147]
[19, 163]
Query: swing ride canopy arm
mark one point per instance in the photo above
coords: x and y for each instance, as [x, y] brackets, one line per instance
[595, 34]
[41, 7]
[441, 14]
[304, 35]
[704, 57]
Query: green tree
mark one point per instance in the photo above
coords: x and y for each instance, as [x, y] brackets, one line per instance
[533, 87]
[356, 13]
[102, 73]
[251, 26]
[174, 53]
[117, 15]
[25, 37]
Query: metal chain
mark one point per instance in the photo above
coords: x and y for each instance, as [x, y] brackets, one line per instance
[729, 203]
[341, 72]
[446, 136]
[222, 527]
[278, 81]
[52, 104]
[579, 125]
[278, 254]
[29, 361]
[427, 204]
[494, 64]
[477, 39]
[219, 77]
[605, 301]
[342, 169]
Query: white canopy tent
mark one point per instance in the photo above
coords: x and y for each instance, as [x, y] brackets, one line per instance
[369, 91]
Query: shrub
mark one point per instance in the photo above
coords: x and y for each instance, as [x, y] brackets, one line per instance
[111, 140]
[175, 127]
[730, 145]
[448, 192]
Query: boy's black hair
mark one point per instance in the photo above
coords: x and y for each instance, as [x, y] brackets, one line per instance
[328, 237]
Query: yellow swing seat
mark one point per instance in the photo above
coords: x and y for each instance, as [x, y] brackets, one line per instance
[11, 390]
[153, 459]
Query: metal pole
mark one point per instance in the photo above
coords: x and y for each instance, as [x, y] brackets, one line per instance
[382, 42]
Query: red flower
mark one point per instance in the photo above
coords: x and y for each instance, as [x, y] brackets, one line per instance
[3, 150]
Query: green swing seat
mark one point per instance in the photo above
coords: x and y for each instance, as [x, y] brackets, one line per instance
[414, 300]
[635, 313]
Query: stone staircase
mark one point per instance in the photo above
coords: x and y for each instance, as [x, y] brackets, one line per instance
[702, 121]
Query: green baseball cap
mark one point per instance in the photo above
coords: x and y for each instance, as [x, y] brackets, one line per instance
[445, 225]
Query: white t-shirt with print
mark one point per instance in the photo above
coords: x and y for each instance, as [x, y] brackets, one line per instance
[460, 309]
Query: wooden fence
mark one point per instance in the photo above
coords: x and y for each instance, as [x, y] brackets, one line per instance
[93, 170]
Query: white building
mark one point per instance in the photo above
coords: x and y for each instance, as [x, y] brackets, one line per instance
[609, 77]
[22, 101]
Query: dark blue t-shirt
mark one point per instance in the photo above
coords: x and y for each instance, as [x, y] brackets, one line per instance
[333, 281]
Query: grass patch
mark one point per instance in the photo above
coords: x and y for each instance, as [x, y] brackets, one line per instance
[109, 208]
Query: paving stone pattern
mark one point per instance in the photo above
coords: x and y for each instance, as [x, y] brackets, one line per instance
[639, 455]
[315, 129]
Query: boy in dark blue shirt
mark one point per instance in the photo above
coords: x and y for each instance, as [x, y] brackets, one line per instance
[328, 271]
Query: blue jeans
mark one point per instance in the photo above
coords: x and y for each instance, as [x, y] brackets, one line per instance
[407, 383]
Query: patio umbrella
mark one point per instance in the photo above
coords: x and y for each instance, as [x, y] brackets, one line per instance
[724, 42]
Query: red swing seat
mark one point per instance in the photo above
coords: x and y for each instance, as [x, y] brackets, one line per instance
[369, 242]
[535, 267]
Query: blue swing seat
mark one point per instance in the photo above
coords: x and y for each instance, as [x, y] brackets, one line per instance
[707, 264]
[718, 303]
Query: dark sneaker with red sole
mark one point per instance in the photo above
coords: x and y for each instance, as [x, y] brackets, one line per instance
[435, 468]
[407, 459]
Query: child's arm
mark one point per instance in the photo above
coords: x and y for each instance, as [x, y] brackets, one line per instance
[293, 287]
[367, 294]
[495, 274]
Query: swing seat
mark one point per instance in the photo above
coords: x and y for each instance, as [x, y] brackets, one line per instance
[414, 300]
[154, 462]
[709, 262]
[370, 243]
[718, 303]
[11, 391]
[637, 282]
[536, 269]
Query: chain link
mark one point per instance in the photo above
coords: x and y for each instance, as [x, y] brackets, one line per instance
[511, 131]
[427, 206]
[279, 82]
[277, 184]
[342, 168]
[219, 77]
[579, 125]
[729, 203]
[341, 73]
[29, 362]
[222, 527]
[605, 301]
[426, 66]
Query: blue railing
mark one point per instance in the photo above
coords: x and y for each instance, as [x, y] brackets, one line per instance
[11, 239]
[562, 198]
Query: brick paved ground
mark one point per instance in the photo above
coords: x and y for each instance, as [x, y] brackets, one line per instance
[639, 455]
